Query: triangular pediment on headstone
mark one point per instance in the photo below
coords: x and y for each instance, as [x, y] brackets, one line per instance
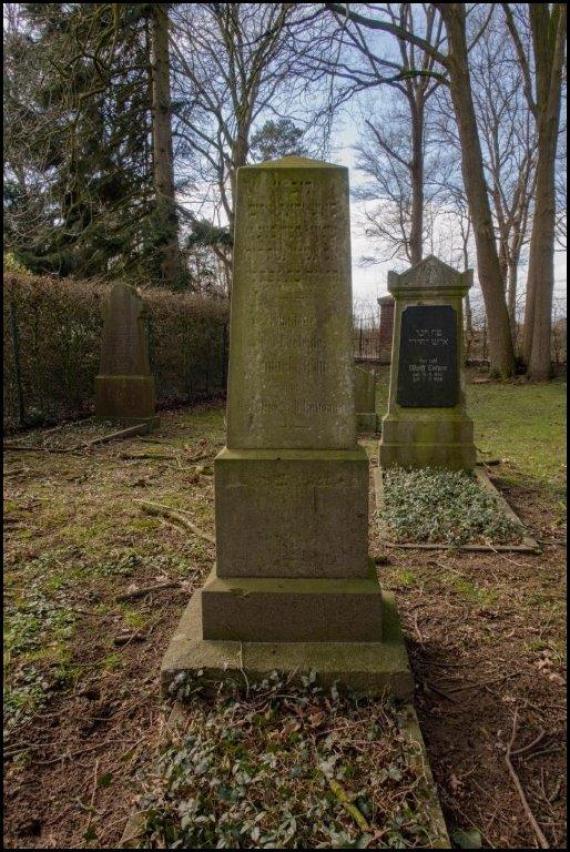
[293, 161]
[430, 270]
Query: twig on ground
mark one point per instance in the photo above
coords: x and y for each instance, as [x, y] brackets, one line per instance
[530, 745]
[348, 806]
[55, 429]
[176, 515]
[146, 590]
[122, 433]
[134, 456]
[417, 629]
[556, 792]
[479, 683]
[536, 828]
[29, 449]
[127, 638]
[432, 688]
[92, 802]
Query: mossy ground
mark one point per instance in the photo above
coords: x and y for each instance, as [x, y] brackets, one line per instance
[83, 708]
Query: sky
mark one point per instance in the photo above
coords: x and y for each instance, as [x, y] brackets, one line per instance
[369, 282]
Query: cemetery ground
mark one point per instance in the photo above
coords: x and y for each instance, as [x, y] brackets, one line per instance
[95, 585]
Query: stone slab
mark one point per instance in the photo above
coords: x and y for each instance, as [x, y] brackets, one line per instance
[124, 345]
[292, 513]
[370, 667]
[443, 440]
[427, 423]
[411, 456]
[299, 610]
[364, 390]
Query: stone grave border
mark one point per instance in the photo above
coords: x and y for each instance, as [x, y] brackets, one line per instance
[528, 544]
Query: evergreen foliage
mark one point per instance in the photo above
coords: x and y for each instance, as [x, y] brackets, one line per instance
[78, 170]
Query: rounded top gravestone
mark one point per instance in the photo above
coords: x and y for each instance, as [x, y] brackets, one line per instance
[124, 348]
[290, 379]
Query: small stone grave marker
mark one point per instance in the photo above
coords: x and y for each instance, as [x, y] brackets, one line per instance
[124, 388]
[365, 400]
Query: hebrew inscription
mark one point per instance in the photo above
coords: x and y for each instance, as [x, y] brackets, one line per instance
[427, 366]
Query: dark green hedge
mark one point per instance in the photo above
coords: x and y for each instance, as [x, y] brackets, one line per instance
[52, 334]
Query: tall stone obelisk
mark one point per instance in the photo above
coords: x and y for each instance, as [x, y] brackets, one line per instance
[293, 587]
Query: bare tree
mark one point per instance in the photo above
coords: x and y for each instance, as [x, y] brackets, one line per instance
[391, 153]
[233, 68]
[542, 69]
[391, 191]
[456, 67]
[508, 142]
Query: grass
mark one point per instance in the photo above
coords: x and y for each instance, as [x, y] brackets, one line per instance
[523, 424]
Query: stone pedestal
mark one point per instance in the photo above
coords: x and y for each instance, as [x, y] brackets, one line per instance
[293, 587]
[365, 400]
[124, 388]
[426, 423]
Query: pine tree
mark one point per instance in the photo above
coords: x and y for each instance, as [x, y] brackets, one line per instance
[81, 194]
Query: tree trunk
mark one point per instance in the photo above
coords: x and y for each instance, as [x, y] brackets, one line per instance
[468, 311]
[548, 34]
[417, 175]
[167, 220]
[512, 291]
[541, 267]
[501, 354]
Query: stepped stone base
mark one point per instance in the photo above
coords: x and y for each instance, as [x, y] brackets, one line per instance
[126, 399]
[438, 441]
[368, 667]
[276, 609]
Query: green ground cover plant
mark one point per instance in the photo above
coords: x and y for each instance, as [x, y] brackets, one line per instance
[444, 507]
[277, 765]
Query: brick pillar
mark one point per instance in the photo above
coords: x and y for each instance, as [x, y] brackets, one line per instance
[386, 304]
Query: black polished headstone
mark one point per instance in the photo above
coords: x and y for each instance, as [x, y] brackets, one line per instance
[427, 368]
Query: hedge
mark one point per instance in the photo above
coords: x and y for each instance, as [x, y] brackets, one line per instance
[52, 338]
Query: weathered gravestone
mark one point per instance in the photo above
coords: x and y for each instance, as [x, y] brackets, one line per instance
[124, 388]
[426, 423]
[365, 400]
[293, 588]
